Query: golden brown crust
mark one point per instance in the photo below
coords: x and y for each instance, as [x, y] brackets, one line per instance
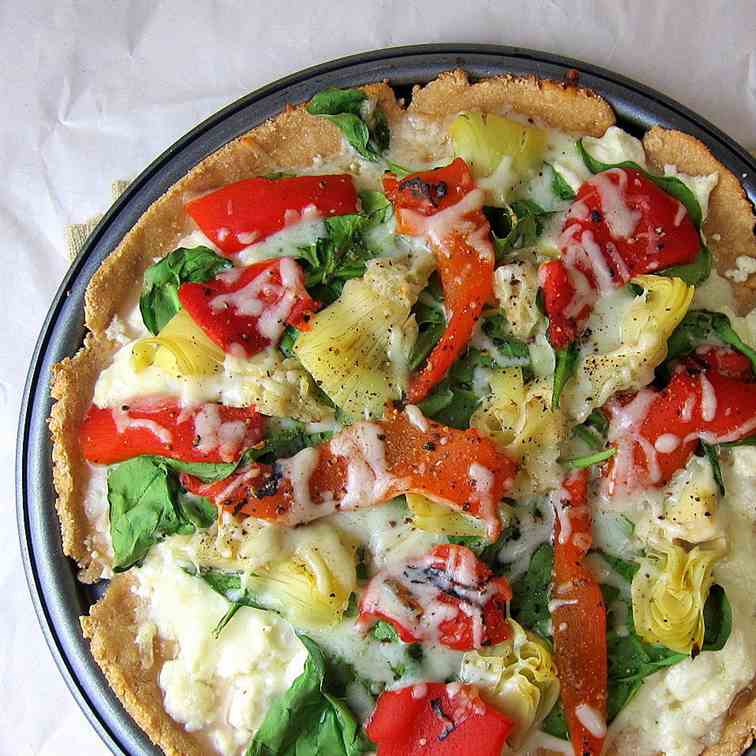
[731, 224]
[72, 384]
[556, 104]
[292, 140]
[739, 729]
[111, 629]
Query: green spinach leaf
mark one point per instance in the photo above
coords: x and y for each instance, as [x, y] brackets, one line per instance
[515, 226]
[368, 135]
[693, 273]
[593, 431]
[147, 504]
[309, 719]
[384, 632]
[530, 592]
[566, 365]
[159, 301]
[559, 186]
[579, 463]
[431, 321]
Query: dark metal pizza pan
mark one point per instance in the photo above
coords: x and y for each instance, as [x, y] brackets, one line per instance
[58, 598]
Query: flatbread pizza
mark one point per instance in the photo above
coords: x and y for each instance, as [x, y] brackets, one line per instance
[425, 427]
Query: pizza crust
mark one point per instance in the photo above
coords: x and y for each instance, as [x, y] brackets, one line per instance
[111, 629]
[293, 139]
[731, 223]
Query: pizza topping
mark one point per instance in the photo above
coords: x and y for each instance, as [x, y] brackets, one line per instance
[369, 463]
[579, 620]
[244, 310]
[655, 432]
[249, 211]
[437, 720]
[447, 596]
[162, 426]
[444, 207]
[621, 225]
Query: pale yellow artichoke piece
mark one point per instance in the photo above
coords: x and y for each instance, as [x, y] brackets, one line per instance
[434, 517]
[358, 348]
[181, 348]
[669, 592]
[484, 139]
[646, 325]
[519, 418]
[518, 677]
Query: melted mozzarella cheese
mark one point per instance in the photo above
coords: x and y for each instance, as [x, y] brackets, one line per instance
[221, 686]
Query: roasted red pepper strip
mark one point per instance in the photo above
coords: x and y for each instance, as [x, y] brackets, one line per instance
[248, 211]
[434, 719]
[161, 426]
[655, 432]
[578, 617]
[369, 463]
[445, 207]
[620, 225]
[244, 310]
[447, 596]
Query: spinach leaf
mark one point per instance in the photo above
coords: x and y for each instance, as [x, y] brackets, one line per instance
[308, 718]
[384, 632]
[624, 568]
[288, 339]
[693, 273]
[343, 253]
[530, 592]
[159, 301]
[454, 400]
[670, 184]
[511, 352]
[555, 723]
[147, 504]
[579, 463]
[717, 619]
[747, 441]
[369, 136]
[431, 321]
[593, 431]
[712, 454]
[284, 438]
[559, 186]
[229, 585]
[702, 326]
[516, 226]
[376, 206]
[566, 365]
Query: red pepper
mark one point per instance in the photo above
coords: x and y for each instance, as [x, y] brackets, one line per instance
[620, 225]
[655, 432]
[447, 595]
[248, 211]
[462, 468]
[161, 426]
[579, 620]
[434, 719]
[464, 255]
[244, 310]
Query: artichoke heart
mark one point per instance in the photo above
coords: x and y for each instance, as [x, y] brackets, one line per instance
[645, 327]
[181, 348]
[518, 677]
[669, 592]
[692, 502]
[520, 419]
[311, 587]
[483, 139]
[438, 518]
[358, 348]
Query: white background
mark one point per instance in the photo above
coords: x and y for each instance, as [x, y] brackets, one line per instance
[92, 91]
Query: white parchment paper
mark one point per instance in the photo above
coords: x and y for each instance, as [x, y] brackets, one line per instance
[93, 91]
